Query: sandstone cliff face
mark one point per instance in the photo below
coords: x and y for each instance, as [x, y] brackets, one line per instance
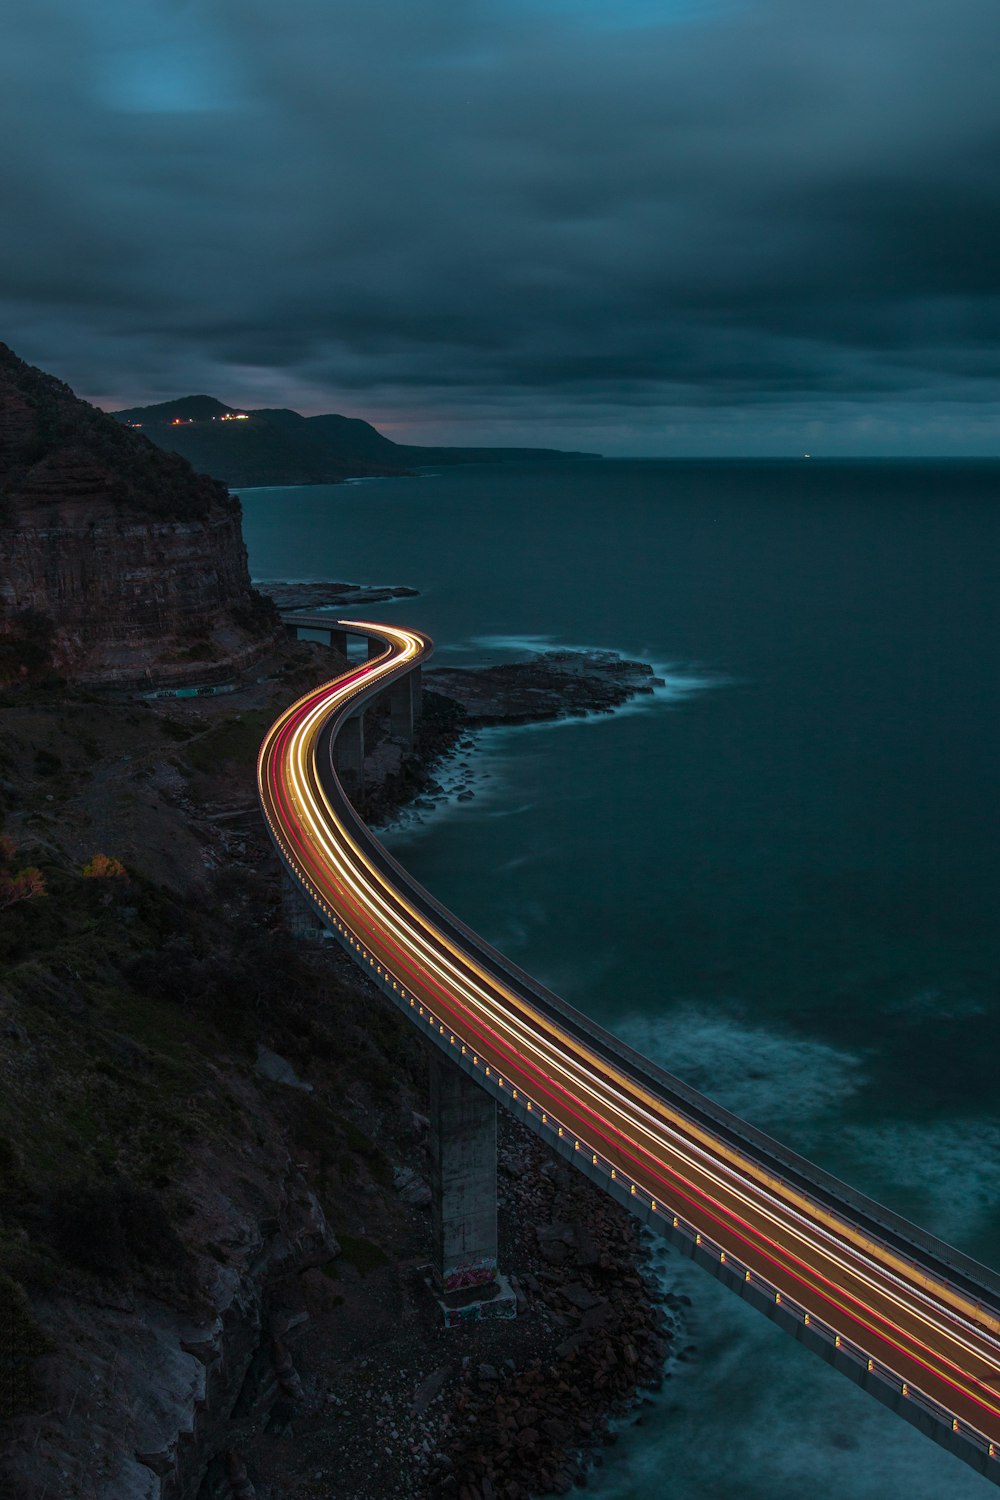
[115, 557]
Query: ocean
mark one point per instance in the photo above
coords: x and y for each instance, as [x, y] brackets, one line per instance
[779, 876]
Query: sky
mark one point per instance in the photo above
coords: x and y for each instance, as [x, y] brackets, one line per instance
[649, 227]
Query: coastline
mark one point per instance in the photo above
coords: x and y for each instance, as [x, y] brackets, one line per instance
[466, 708]
[311, 1333]
[596, 1327]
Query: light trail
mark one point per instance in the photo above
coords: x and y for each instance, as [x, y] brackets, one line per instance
[674, 1154]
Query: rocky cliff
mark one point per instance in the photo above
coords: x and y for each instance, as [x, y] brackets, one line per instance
[117, 562]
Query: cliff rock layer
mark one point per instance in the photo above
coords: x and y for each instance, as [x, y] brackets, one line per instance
[118, 563]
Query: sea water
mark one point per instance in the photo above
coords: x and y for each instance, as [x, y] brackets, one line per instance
[778, 876]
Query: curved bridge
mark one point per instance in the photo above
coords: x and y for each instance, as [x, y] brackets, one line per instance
[904, 1315]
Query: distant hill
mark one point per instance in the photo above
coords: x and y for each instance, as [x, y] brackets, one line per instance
[262, 446]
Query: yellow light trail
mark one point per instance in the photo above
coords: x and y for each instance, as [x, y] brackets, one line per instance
[939, 1343]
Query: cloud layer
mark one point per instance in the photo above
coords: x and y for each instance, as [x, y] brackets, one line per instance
[755, 222]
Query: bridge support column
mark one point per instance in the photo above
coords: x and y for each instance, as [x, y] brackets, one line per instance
[350, 753]
[463, 1149]
[335, 638]
[300, 918]
[401, 708]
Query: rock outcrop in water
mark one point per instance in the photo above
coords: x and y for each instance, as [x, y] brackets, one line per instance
[117, 562]
[552, 685]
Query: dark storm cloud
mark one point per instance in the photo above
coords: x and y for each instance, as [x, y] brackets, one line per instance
[489, 209]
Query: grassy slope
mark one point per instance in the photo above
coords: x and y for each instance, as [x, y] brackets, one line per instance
[131, 1008]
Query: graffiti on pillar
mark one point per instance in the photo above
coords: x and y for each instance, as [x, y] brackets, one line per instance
[475, 1273]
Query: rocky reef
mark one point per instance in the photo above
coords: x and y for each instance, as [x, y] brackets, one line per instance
[118, 563]
[551, 685]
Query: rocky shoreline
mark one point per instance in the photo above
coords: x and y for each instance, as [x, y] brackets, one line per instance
[281, 1142]
[532, 1416]
[538, 1428]
[368, 1395]
[374, 1396]
[461, 701]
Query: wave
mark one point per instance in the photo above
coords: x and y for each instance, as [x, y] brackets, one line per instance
[775, 1081]
[756, 1416]
[752, 1413]
[466, 778]
[471, 777]
[948, 1170]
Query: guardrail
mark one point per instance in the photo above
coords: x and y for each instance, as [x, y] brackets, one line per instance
[879, 1378]
[662, 1220]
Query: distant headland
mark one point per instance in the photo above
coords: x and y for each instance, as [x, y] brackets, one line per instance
[245, 447]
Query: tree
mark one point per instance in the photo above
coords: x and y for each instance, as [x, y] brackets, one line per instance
[104, 867]
[23, 886]
[20, 885]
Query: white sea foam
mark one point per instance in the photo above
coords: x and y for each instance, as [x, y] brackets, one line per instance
[518, 863]
[520, 643]
[755, 1415]
[485, 775]
[945, 1173]
[949, 1170]
[517, 925]
[771, 1079]
[509, 812]
[937, 1006]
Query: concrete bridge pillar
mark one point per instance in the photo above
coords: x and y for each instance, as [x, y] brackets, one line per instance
[314, 626]
[463, 1150]
[350, 752]
[401, 712]
[300, 917]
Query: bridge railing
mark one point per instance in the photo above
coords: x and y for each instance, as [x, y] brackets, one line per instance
[659, 1218]
[889, 1231]
[867, 1370]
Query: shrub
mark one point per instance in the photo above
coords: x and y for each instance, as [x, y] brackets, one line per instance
[104, 867]
[22, 885]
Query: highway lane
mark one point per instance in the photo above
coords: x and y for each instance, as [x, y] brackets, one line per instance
[939, 1333]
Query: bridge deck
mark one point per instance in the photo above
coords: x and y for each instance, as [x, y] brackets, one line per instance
[910, 1318]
